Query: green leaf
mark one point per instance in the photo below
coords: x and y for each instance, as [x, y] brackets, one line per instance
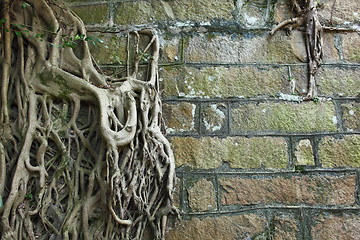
[2, 21]
[54, 45]
[17, 33]
[118, 59]
[24, 5]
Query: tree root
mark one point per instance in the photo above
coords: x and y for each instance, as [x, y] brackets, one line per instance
[83, 155]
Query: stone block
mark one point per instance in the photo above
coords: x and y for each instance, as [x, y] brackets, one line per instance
[254, 13]
[341, 13]
[343, 81]
[351, 116]
[340, 226]
[292, 190]
[212, 48]
[179, 117]
[225, 82]
[246, 226]
[149, 12]
[170, 50]
[285, 227]
[213, 118]
[304, 153]
[202, 196]
[344, 152]
[351, 47]
[92, 14]
[239, 152]
[284, 117]
[282, 11]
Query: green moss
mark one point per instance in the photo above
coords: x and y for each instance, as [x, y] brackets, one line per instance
[329, 83]
[343, 152]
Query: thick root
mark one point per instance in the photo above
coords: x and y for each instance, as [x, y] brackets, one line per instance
[83, 156]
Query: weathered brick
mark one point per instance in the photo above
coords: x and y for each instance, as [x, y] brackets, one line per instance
[93, 14]
[344, 152]
[294, 190]
[343, 81]
[253, 13]
[179, 117]
[244, 226]
[351, 46]
[333, 227]
[240, 152]
[245, 49]
[304, 153]
[285, 227]
[170, 50]
[343, 12]
[351, 116]
[282, 11]
[212, 48]
[202, 196]
[213, 118]
[213, 82]
[284, 117]
[145, 12]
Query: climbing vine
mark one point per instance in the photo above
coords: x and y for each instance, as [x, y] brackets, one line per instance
[82, 154]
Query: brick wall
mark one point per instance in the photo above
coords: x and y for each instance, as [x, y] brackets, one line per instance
[253, 160]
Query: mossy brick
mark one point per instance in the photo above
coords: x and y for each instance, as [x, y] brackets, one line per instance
[284, 117]
[244, 226]
[344, 226]
[289, 190]
[304, 153]
[225, 82]
[239, 152]
[113, 45]
[351, 47]
[343, 81]
[92, 14]
[252, 14]
[147, 12]
[343, 152]
[211, 48]
[341, 13]
[202, 196]
[351, 116]
[202, 10]
[179, 117]
[213, 118]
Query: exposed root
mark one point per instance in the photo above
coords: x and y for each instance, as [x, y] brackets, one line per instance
[308, 20]
[82, 155]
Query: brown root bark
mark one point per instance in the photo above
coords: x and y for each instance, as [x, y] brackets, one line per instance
[82, 155]
[308, 20]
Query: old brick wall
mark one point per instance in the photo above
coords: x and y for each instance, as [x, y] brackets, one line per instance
[253, 160]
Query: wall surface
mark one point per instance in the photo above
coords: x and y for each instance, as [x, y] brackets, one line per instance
[253, 160]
